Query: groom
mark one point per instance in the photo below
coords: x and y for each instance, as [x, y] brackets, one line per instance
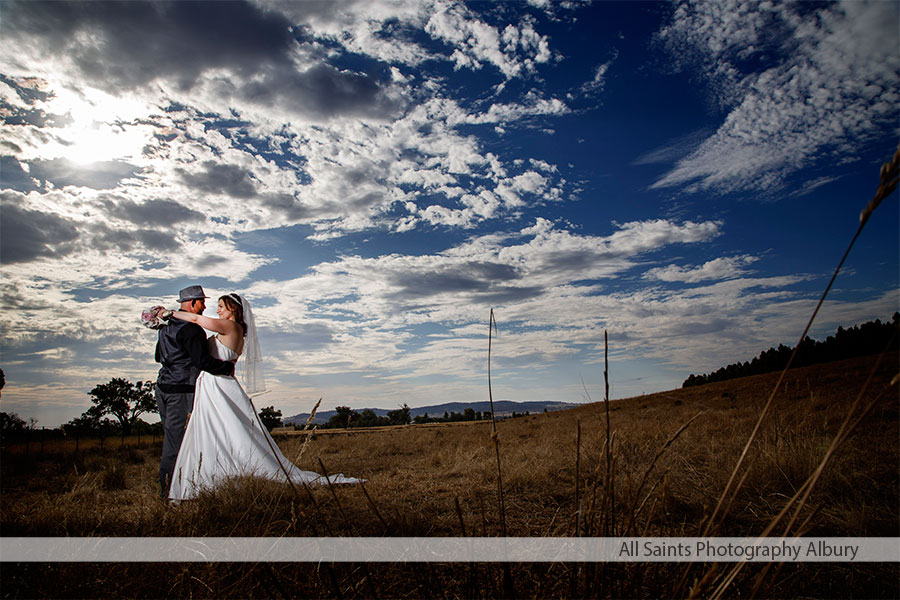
[182, 350]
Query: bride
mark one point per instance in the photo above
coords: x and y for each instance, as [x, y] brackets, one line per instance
[224, 436]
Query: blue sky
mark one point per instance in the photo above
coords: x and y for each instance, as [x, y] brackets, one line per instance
[377, 176]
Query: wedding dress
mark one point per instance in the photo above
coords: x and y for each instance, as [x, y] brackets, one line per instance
[225, 438]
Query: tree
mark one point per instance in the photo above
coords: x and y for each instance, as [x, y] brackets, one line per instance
[399, 416]
[368, 418]
[11, 424]
[344, 417]
[86, 424]
[270, 417]
[123, 400]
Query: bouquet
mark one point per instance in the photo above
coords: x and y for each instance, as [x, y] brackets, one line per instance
[155, 317]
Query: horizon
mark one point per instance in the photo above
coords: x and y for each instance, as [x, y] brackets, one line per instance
[376, 177]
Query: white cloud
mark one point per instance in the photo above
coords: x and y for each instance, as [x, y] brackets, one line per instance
[487, 269]
[346, 170]
[832, 88]
[533, 105]
[598, 83]
[516, 51]
[718, 268]
[269, 128]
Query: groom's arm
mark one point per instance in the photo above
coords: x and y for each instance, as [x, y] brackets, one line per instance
[193, 340]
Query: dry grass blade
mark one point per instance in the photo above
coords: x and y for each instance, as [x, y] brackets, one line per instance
[495, 437]
[312, 415]
[374, 508]
[889, 176]
[610, 483]
[459, 514]
[888, 183]
[656, 458]
[799, 499]
[577, 476]
[307, 439]
[311, 432]
[333, 493]
[275, 452]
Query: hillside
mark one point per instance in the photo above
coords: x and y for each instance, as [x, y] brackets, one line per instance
[672, 455]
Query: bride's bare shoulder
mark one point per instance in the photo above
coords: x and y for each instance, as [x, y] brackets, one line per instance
[239, 346]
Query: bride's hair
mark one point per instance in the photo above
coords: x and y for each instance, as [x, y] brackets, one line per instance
[234, 304]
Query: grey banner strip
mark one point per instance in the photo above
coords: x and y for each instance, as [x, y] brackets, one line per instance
[418, 549]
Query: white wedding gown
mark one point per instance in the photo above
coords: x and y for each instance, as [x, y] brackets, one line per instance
[225, 438]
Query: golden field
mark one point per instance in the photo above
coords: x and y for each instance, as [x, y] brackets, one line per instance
[670, 457]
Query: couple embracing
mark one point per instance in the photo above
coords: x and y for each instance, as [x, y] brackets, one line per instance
[211, 429]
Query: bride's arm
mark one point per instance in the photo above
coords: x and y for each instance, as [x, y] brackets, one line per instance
[223, 326]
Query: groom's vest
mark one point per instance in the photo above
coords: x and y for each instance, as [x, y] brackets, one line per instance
[177, 374]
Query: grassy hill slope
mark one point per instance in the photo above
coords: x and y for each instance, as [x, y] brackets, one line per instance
[672, 455]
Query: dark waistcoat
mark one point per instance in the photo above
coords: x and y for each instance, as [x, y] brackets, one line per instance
[177, 371]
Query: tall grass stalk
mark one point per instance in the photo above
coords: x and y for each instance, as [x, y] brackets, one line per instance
[888, 183]
[577, 476]
[508, 589]
[885, 188]
[495, 437]
[373, 506]
[609, 479]
[635, 508]
[889, 173]
[799, 499]
[310, 432]
[334, 494]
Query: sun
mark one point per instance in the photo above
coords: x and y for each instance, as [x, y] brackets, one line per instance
[86, 143]
[99, 128]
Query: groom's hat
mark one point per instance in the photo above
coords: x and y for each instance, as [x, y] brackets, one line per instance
[191, 292]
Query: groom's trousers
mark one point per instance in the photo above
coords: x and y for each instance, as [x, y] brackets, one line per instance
[174, 409]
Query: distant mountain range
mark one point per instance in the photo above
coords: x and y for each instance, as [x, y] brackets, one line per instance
[502, 408]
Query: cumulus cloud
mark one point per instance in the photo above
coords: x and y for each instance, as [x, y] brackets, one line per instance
[551, 289]
[149, 144]
[487, 269]
[826, 82]
[155, 212]
[29, 234]
[515, 51]
[193, 102]
[217, 178]
[718, 268]
[61, 172]
[229, 51]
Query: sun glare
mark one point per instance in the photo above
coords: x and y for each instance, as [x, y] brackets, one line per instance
[101, 128]
[97, 142]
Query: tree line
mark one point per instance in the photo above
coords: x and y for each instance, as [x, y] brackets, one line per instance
[345, 417]
[860, 340]
[115, 410]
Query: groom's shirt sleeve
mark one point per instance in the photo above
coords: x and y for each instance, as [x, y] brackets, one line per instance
[193, 340]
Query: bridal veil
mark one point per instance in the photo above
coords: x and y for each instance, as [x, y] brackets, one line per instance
[250, 368]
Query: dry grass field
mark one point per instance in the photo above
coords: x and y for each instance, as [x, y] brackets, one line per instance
[671, 456]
